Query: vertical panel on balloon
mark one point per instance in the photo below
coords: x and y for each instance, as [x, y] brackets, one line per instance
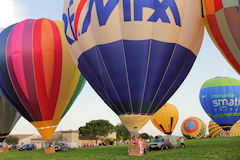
[158, 62]
[178, 67]
[188, 59]
[5, 81]
[15, 72]
[28, 69]
[233, 20]
[213, 24]
[137, 54]
[92, 68]
[116, 71]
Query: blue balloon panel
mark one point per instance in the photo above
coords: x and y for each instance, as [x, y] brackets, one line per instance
[136, 76]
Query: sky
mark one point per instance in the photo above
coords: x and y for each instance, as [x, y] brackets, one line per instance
[89, 106]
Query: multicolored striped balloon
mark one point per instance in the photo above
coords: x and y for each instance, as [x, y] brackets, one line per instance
[222, 20]
[215, 130]
[235, 130]
[165, 119]
[37, 73]
[193, 128]
[134, 53]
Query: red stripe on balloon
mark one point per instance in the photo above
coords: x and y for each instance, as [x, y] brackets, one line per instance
[191, 130]
[38, 68]
[57, 72]
[47, 104]
[211, 125]
[221, 43]
[215, 131]
[77, 16]
[218, 5]
[29, 68]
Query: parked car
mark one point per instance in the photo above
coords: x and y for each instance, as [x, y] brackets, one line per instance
[61, 147]
[26, 147]
[157, 143]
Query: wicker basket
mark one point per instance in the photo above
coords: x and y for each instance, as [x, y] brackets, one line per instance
[4, 149]
[49, 150]
[134, 150]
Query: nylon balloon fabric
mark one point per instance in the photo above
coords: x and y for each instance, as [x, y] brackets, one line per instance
[193, 128]
[135, 61]
[215, 130]
[235, 130]
[165, 119]
[222, 20]
[37, 73]
[8, 117]
[220, 98]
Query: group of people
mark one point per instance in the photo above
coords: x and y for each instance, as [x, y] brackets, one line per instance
[142, 144]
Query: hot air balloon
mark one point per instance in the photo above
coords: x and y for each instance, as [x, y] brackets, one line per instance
[165, 119]
[194, 128]
[220, 98]
[135, 61]
[235, 130]
[8, 118]
[215, 130]
[222, 21]
[37, 73]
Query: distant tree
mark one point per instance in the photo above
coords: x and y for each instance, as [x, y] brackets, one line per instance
[12, 140]
[122, 132]
[96, 129]
[144, 136]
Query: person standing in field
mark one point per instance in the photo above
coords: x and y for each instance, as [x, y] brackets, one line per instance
[144, 147]
[182, 142]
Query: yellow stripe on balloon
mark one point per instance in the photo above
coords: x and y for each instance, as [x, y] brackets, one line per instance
[70, 77]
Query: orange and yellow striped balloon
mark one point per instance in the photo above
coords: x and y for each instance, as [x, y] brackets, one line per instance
[235, 130]
[193, 128]
[215, 130]
[165, 119]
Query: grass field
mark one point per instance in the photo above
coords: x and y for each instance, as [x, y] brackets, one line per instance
[215, 148]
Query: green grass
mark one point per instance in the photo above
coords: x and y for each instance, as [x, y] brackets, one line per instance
[214, 148]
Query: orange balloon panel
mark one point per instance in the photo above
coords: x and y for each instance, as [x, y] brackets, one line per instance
[165, 119]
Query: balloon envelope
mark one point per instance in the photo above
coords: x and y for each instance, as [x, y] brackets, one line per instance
[215, 130]
[136, 60]
[8, 118]
[235, 130]
[222, 20]
[165, 119]
[37, 73]
[193, 127]
[220, 98]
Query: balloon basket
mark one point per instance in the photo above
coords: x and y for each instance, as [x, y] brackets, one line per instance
[4, 149]
[49, 150]
[134, 149]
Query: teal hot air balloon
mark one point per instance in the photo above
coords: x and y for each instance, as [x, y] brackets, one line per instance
[8, 117]
[135, 61]
[220, 98]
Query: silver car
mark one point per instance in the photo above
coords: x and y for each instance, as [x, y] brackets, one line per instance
[157, 143]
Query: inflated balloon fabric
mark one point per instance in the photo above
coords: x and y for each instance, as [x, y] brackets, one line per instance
[37, 73]
[165, 119]
[194, 128]
[222, 20]
[135, 61]
[220, 98]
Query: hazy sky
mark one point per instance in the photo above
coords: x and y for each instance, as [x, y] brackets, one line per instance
[88, 106]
